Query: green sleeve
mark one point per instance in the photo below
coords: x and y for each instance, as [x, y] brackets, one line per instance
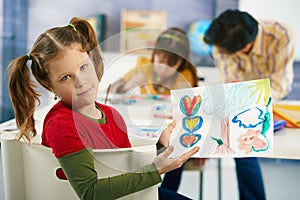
[80, 171]
[160, 148]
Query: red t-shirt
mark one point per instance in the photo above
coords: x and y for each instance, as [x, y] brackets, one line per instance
[67, 131]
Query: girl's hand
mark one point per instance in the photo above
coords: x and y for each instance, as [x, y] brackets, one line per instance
[164, 138]
[165, 164]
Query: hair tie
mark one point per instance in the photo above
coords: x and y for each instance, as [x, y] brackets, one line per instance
[29, 57]
[71, 25]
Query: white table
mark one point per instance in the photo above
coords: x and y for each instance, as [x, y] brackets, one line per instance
[286, 144]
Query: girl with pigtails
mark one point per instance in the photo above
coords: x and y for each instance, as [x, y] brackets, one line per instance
[67, 62]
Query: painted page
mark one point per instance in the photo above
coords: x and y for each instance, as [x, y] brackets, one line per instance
[228, 120]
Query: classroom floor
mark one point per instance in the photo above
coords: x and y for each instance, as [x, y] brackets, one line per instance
[281, 177]
[281, 180]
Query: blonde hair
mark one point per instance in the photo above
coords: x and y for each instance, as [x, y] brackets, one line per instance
[49, 45]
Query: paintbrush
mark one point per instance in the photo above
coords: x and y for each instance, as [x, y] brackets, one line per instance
[107, 92]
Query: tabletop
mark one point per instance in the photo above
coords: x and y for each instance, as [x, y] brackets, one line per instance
[144, 126]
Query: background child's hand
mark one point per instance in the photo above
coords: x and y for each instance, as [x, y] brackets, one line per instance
[164, 138]
[165, 164]
[116, 87]
[137, 80]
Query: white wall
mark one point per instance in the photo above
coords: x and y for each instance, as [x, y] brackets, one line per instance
[285, 10]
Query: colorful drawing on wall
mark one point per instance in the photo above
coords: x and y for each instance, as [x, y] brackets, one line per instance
[229, 120]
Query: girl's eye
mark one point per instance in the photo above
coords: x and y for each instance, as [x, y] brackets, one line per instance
[83, 67]
[65, 77]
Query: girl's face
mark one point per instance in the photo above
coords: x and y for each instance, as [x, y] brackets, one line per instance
[73, 78]
[161, 67]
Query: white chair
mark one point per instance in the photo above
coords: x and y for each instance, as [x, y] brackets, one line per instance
[30, 170]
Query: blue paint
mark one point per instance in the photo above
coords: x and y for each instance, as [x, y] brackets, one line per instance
[160, 107]
[131, 101]
[183, 109]
[196, 128]
[241, 124]
[181, 139]
[149, 129]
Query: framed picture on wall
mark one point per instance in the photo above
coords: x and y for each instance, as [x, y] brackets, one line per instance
[140, 28]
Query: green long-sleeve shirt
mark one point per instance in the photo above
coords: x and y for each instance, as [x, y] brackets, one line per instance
[80, 171]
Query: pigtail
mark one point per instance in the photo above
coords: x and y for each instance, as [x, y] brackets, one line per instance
[23, 97]
[86, 30]
[89, 35]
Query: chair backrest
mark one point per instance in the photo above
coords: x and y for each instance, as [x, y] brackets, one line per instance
[30, 170]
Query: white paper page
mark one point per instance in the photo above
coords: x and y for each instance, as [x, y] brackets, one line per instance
[229, 120]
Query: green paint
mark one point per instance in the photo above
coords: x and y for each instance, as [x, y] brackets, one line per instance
[266, 124]
[264, 149]
[265, 127]
[218, 140]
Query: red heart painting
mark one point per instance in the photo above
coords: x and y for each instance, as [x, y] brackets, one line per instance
[188, 139]
[190, 106]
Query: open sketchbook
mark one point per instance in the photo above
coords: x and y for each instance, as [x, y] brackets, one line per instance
[229, 120]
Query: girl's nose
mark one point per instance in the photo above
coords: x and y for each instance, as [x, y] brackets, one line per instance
[80, 81]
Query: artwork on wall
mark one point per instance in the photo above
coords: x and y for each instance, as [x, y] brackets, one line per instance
[229, 120]
[140, 29]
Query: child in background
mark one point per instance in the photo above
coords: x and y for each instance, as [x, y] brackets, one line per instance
[247, 49]
[67, 61]
[169, 68]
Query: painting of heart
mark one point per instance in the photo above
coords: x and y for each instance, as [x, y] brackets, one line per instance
[192, 124]
[189, 139]
[189, 106]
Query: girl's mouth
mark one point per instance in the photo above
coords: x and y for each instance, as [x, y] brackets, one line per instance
[85, 92]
